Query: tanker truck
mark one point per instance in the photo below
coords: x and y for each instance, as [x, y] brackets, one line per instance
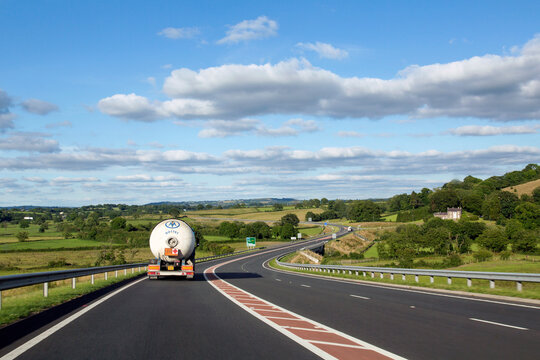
[173, 244]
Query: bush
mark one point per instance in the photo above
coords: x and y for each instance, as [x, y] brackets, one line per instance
[505, 255]
[452, 261]
[482, 255]
[494, 239]
[58, 263]
[22, 236]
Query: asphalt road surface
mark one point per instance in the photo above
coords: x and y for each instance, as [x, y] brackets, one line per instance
[160, 319]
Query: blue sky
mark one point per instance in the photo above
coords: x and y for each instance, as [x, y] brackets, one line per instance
[141, 101]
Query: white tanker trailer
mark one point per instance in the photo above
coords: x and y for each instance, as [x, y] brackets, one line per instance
[173, 244]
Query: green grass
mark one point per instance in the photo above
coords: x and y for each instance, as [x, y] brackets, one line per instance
[16, 305]
[372, 252]
[392, 218]
[50, 244]
[503, 288]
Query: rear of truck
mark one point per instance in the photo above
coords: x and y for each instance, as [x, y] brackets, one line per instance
[173, 244]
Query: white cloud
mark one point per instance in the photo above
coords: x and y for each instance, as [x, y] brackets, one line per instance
[130, 106]
[40, 107]
[324, 50]
[261, 27]
[226, 128]
[179, 33]
[6, 117]
[62, 180]
[29, 142]
[36, 179]
[502, 88]
[477, 130]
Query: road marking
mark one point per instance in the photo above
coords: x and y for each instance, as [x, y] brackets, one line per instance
[326, 342]
[278, 279]
[36, 340]
[412, 307]
[390, 287]
[360, 297]
[305, 286]
[499, 324]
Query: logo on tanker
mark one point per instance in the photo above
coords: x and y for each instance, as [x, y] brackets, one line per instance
[172, 224]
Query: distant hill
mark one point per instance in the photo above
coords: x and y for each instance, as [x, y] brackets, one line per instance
[521, 189]
[227, 203]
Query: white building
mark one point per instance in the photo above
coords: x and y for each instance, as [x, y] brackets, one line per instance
[450, 214]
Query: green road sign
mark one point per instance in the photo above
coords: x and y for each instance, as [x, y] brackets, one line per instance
[251, 241]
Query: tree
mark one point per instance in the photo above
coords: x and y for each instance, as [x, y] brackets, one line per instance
[277, 207]
[536, 195]
[472, 202]
[494, 239]
[290, 219]
[118, 223]
[508, 202]
[229, 229]
[491, 209]
[324, 201]
[528, 214]
[24, 224]
[288, 230]
[364, 211]
[22, 236]
[524, 241]
[443, 199]
[438, 240]
[174, 212]
[43, 227]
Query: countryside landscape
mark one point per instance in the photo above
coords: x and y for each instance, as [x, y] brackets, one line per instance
[260, 180]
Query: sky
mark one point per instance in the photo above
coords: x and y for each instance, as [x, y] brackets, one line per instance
[142, 101]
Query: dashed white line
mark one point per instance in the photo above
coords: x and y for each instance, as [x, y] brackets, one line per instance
[360, 297]
[499, 324]
[278, 279]
[305, 285]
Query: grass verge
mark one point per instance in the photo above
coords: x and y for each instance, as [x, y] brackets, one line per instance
[21, 302]
[503, 288]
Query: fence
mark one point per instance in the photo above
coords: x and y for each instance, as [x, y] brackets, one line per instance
[518, 278]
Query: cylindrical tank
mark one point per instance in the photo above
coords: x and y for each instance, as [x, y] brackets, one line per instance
[172, 234]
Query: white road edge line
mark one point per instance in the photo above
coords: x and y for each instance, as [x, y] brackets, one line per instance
[36, 340]
[360, 297]
[305, 286]
[499, 324]
[336, 344]
[299, 340]
[322, 277]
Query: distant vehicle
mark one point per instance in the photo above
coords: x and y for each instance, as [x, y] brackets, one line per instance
[173, 244]
[349, 228]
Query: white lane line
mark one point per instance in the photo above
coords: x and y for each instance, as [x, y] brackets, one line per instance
[304, 342]
[278, 279]
[30, 343]
[389, 287]
[300, 328]
[499, 324]
[305, 286]
[360, 297]
[336, 344]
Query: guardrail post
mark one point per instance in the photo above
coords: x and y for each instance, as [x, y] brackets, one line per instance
[382, 275]
[363, 273]
[356, 273]
[403, 277]
[432, 279]
[519, 287]
[449, 281]
[125, 271]
[106, 275]
[0, 299]
[73, 282]
[372, 274]
[139, 269]
[132, 271]
[391, 276]
[92, 279]
[469, 282]
[45, 289]
[492, 284]
[416, 278]
[116, 273]
[350, 272]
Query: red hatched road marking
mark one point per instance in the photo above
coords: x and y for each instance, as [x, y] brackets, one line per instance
[326, 342]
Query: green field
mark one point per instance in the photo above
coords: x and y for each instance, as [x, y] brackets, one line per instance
[50, 244]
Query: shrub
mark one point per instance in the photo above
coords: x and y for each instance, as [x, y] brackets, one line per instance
[482, 255]
[505, 255]
[452, 261]
[22, 236]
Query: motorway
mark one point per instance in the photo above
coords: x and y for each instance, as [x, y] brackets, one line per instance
[193, 320]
